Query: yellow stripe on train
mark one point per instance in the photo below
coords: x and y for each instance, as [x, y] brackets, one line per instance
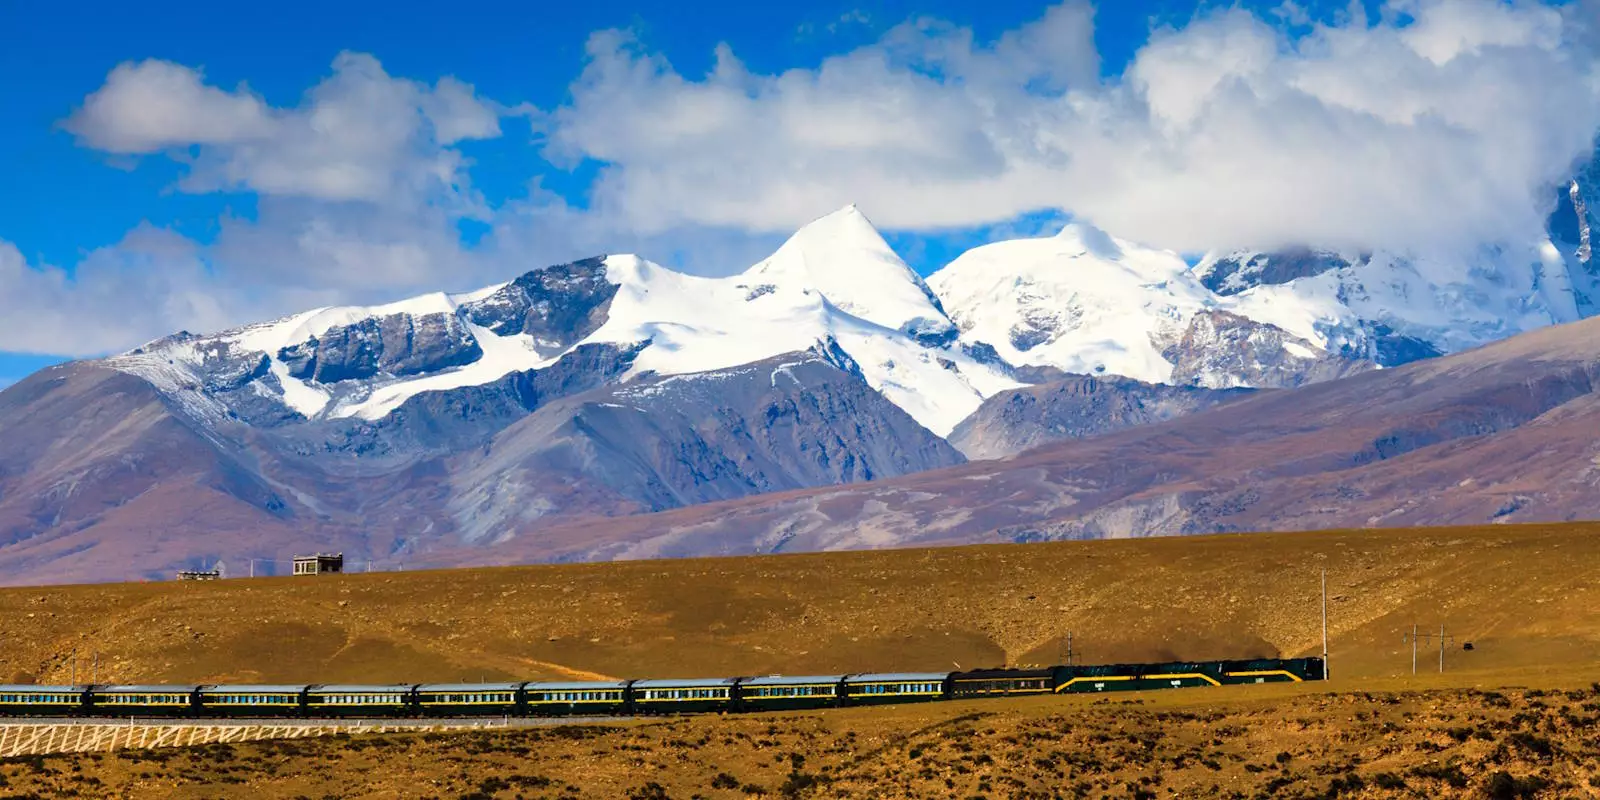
[1111, 678]
[1261, 673]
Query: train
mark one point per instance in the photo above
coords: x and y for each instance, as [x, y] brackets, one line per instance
[631, 697]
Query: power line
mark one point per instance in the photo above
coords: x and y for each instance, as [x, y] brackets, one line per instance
[1416, 636]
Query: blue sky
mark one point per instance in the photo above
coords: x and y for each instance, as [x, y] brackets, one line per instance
[61, 200]
[124, 232]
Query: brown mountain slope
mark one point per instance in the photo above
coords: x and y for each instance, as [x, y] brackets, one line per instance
[97, 473]
[1076, 407]
[1502, 433]
[107, 476]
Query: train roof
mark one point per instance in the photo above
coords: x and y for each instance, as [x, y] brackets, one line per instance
[17, 688]
[147, 688]
[257, 688]
[790, 680]
[683, 683]
[469, 687]
[359, 688]
[891, 677]
[994, 674]
[574, 686]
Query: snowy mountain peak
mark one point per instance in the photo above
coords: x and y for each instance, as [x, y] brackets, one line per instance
[845, 259]
[1088, 239]
[845, 229]
[1080, 301]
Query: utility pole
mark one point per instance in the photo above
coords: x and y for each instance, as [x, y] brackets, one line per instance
[1324, 624]
[1413, 638]
[1442, 640]
[1069, 648]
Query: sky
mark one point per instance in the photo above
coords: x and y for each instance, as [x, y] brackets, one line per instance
[197, 165]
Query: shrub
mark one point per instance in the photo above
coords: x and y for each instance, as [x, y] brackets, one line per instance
[649, 791]
[1449, 773]
[1503, 786]
[1388, 780]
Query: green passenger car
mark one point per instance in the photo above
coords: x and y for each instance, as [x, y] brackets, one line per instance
[359, 700]
[895, 687]
[43, 701]
[145, 700]
[576, 698]
[776, 692]
[228, 700]
[468, 699]
[682, 696]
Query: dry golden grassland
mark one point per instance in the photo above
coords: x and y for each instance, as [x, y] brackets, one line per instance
[1199, 743]
[1527, 597]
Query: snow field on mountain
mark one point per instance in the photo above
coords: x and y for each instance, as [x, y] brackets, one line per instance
[270, 337]
[502, 355]
[1085, 302]
[703, 324]
[1080, 301]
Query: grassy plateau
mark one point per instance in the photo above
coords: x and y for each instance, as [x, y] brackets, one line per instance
[1518, 715]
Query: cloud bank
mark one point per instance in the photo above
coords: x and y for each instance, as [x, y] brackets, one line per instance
[1443, 122]
[1434, 126]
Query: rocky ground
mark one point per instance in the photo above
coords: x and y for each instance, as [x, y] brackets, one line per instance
[1513, 743]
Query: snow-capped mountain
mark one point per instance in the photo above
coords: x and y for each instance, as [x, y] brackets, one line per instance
[835, 285]
[1087, 303]
[615, 386]
[604, 387]
[1084, 302]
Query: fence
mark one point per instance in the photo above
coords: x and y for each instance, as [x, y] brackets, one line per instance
[85, 737]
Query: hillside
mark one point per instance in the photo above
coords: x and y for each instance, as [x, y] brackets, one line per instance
[1502, 433]
[1202, 597]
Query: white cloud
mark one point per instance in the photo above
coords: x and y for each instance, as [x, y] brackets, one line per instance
[116, 296]
[360, 196]
[1472, 27]
[155, 282]
[1446, 122]
[359, 135]
[544, 229]
[154, 105]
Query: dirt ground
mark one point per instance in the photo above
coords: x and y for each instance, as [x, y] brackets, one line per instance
[1236, 742]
